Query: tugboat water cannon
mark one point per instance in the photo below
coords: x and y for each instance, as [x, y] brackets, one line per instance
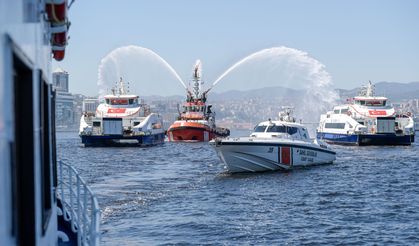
[196, 121]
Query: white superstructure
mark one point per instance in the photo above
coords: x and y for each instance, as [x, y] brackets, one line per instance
[366, 120]
[121, 119]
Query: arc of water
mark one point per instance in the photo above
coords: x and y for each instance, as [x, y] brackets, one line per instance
[318, 92]
[279, 51]
[112, 57]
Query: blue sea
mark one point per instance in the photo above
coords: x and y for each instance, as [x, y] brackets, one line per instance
[181, 194]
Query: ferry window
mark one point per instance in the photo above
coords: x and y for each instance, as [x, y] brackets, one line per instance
[362, 102]
[384, 103]
[335, 125]
[96, 123]
[259, 129]
[336, 111]
[374, 103]
[23, 156]
[344, 111]
[119, 101]
[130, 101]
[107, 101]
[44, 126]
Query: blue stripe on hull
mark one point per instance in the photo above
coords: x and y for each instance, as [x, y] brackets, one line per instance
[112, 140]
[338, 138]
[364, 139]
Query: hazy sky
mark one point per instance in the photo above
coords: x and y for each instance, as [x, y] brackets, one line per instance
[357, 41]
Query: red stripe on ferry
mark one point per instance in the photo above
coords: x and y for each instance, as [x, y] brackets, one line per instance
[377, 112]
[116, 110]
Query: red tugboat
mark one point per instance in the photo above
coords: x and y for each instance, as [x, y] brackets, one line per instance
[196, 122]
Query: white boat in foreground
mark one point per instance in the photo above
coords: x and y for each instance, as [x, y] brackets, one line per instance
[273, 145]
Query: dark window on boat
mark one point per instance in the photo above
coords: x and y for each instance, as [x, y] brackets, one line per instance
[375, 103]
[119, 101]
[259, 129]
[131, 101]
[335, 125]
[107, 101]
[344, 111]
[96, 123]
[281, 128]
[292, 130]
[361, 122]
[45, 141]
[362, 102]
[336, 111]
[276, 128]
[136, 123]
[23, 165]
[53, 140]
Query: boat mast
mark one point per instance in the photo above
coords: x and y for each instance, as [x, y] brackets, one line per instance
[370, 89]
[122, 89]
[196, 78]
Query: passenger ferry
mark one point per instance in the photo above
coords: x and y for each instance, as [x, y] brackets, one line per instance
[196, 122]
[43, 200]
[274, 145]
[366, 120]
[121, 120]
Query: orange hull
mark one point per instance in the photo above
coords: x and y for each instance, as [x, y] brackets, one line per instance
[190, 131]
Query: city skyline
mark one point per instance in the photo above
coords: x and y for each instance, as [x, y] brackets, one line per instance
[356, 41]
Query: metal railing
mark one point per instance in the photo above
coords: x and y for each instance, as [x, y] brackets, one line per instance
[80, 205]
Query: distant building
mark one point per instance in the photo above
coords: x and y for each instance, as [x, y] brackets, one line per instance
[64, 109]
[90, 105]
[60, 80]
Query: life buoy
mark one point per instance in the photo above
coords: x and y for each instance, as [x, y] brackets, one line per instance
[58, 52]
[56, 11]
[57, 15]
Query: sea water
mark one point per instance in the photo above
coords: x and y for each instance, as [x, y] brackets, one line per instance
[180, 193]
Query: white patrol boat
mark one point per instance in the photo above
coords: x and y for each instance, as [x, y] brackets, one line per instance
[121, 120]
[366, 120]
[273, 145]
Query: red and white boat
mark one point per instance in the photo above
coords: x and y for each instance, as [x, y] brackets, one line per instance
[196, 122]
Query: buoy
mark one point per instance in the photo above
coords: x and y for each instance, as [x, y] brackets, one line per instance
[57, 16]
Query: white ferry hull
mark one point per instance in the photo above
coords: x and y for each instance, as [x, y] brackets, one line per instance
[102, 132]
[261, 156]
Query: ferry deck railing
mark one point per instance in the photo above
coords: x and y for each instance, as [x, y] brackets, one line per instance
[79, 204]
